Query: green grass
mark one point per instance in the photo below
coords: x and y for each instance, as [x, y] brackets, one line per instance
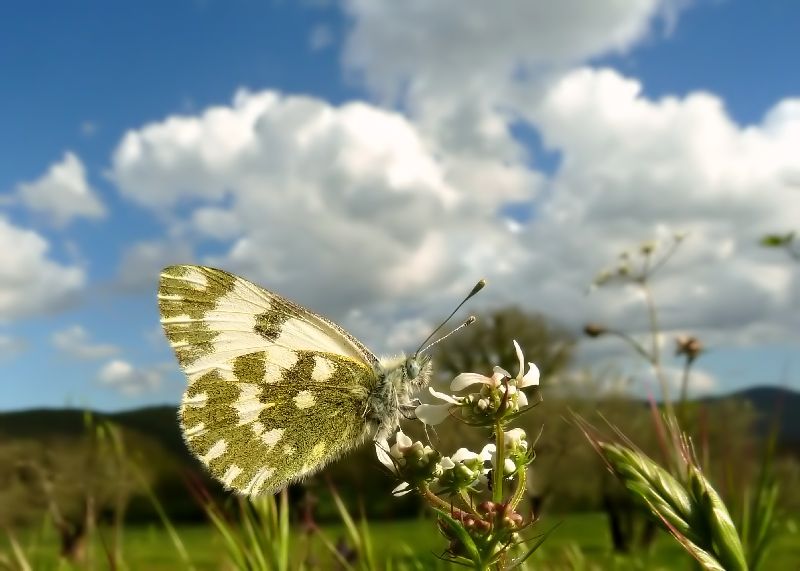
[149, 547]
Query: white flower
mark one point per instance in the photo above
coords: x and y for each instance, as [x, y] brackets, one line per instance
[489, 400]
[465, 380]
[529, 379]
[464, 469]
[516, 446]
[436, 413]
[406, 459]
[515, 439]
[393, 456]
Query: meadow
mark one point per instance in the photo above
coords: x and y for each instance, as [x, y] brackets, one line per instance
[580, 542]
[577, 475]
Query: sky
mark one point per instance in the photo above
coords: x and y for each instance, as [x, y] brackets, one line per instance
[372, 159]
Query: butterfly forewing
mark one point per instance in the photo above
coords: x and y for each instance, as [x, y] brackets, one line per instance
[275, 391]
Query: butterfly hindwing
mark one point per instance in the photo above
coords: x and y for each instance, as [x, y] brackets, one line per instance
[275, 391]
[258, 436]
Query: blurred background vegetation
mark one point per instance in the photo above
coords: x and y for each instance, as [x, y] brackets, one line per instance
[80, 472]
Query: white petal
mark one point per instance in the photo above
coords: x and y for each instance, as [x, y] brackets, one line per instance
[522, 400]
[463, 454]
[499, 373]
[514, 436]
[531, 378]
[486, 453]
[443, 396]
[465, 380]
[381, 447]
[509, 466]
[446, 463]
[432, 413]
[521, 359]
[401, 489]
[403, 440]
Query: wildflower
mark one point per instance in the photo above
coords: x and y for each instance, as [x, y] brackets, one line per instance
[603, 277]
[689, 346]
[413, 461]
[594, 329]
[464, 470]
[516, 452]
[499, 394]
[436, 413]
[648, 247]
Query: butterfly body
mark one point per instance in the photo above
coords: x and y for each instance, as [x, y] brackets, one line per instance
[275, 391]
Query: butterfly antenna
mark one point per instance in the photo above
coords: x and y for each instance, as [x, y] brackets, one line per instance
[469, 321]
[478, 287]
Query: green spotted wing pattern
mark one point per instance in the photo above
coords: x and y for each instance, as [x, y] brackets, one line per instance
[274, 392]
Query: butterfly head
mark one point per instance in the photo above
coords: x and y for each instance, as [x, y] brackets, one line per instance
[418, 370]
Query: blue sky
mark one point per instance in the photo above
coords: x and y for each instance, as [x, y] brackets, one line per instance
[80, 76]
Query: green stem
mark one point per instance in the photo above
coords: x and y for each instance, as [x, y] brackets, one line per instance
[684, 399]
[439, 503]
[468, 502]
[522, 476]
[655, 356]
[500, 458]
[635, 345]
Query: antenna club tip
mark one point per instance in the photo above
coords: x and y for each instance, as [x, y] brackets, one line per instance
[478, 287]
[470, 320]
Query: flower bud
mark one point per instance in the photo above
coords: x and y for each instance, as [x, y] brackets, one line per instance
[594, 329]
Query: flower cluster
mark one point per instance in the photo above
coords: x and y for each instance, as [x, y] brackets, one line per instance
[414, 462]
[498, 396]
[479, 530]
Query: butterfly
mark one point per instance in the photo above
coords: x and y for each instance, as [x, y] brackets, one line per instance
[275, 391]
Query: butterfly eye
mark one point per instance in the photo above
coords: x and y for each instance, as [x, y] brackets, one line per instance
[412, 368]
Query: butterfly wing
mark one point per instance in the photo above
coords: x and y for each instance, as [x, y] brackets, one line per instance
[275, 391]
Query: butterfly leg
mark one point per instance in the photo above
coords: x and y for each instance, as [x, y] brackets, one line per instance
[408, 409]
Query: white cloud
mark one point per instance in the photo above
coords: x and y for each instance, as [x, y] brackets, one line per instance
[431, 48]
[358, 213]
[31, 283]
[633, 169]
[62, 193]
[11, 346]
[75, 343]
[351, 195]
[459, 67]
[127, 379]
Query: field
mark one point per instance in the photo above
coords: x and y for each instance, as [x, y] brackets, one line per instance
[580, 542]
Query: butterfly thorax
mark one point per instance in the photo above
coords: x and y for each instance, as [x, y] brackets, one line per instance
[398, 378]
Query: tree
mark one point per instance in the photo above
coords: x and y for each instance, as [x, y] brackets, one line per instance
[488, 343]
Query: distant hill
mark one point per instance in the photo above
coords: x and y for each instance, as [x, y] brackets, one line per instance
[155, 433]
[771, 403]
[160, 422]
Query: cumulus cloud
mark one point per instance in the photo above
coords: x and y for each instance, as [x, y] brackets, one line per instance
[363, 200]
[636, 169]
[129, 380]
[377, 217]
[457, 67]
[352, 195]
[74, 342]
[430, 48]
[62, 193]
[31, 283]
